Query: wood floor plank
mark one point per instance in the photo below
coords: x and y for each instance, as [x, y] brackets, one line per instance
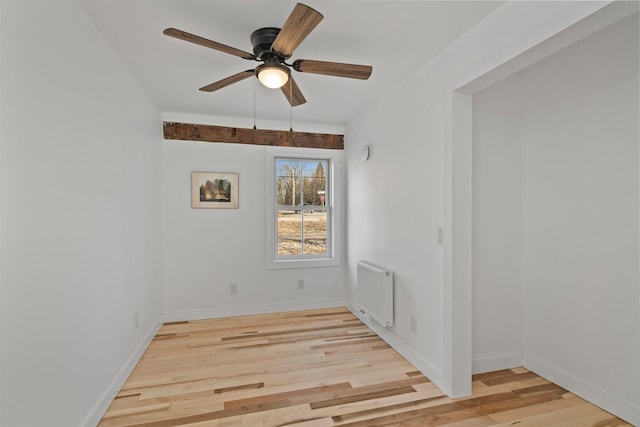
[319, 368]
[514, 415]
[138, 410]
[580, 415]
[302, 395]
[382, 408]
[483, 421]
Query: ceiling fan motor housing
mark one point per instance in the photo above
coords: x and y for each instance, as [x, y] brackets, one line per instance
[261, 40]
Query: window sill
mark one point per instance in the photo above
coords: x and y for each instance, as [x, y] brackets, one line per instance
[302, 263]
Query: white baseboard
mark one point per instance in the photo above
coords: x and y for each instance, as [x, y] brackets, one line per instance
[608, 401]
[97, 411]
[402, 347]
[246, 310]
[495, 362]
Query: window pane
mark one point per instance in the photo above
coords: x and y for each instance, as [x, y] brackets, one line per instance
[289, 233]
[289, 182]
[301, 182]
[315, 232]
[314, 182]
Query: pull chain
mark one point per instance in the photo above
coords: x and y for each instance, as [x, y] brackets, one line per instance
[254, 104]
[291, 106]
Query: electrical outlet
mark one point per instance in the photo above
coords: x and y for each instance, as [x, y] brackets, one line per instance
[233, 288]
[300, 284]
[440, 236]
[413, 324]
[136, 321]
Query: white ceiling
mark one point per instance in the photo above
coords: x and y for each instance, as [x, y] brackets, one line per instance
[395, 37]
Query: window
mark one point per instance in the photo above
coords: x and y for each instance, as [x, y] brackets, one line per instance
[302, 215]
[301, 222]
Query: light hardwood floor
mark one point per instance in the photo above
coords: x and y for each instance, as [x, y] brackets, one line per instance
[319, 368]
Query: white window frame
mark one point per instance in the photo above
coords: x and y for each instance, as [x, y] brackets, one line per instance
[333, 204]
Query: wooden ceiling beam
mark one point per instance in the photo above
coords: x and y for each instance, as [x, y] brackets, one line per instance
[277, 138]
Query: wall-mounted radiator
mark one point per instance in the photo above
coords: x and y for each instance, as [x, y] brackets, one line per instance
[375, 292]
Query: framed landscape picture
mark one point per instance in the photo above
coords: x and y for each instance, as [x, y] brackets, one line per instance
[214, 190]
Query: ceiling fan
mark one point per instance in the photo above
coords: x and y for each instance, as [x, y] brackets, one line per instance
[273, 46]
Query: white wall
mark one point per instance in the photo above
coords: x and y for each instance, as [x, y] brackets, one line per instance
[408, 188]
[497, 227]
[563, 136]
[80, 220]
[580, 223]
[208, 249]
[395, 207]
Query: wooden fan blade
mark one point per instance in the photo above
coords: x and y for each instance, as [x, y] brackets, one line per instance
[352, 71]
[293, 93]
[226, 82]
[300, 23]
[192, 38]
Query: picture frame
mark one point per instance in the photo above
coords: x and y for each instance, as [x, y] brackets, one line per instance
[214, 190]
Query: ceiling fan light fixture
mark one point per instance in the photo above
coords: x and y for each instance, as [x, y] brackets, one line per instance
[273, 76]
